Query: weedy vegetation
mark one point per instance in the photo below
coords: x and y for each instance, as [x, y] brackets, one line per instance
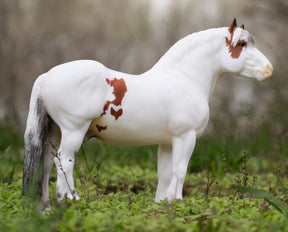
[232, 185]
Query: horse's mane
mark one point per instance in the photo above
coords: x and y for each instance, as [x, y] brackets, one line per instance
[191, 42]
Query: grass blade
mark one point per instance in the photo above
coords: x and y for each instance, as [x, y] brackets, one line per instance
[277, 204]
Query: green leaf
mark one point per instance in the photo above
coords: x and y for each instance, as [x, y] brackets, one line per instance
[277, 204]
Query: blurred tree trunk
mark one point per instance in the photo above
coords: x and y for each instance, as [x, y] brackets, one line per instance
[8, 60]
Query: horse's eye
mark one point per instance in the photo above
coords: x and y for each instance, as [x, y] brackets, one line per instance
[243, 44]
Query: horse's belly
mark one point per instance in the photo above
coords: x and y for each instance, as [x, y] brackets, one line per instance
[129, 134]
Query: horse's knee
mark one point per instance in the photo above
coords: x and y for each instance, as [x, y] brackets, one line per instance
[179, 171]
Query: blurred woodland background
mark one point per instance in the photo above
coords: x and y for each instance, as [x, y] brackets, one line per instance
[130, 36]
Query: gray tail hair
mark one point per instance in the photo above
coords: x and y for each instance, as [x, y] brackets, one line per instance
[35, 140]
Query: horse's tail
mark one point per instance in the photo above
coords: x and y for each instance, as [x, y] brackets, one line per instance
[34, 141]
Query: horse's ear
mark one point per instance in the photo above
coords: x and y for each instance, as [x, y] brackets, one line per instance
[233, 25]
[242, 26]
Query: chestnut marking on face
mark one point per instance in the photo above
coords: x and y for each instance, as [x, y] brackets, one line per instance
[100, 128]
[119, 90]
[235, 51]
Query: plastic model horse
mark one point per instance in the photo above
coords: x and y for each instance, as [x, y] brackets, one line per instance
[167, 105]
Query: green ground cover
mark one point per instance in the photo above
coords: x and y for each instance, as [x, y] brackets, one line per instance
[117, 187]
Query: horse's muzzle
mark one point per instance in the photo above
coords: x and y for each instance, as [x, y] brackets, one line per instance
[267, 73]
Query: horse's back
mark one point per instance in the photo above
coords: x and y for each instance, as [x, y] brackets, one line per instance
[76, 69]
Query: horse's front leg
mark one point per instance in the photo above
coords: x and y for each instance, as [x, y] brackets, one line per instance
[164, 167]
[64, 161]
[183, 147]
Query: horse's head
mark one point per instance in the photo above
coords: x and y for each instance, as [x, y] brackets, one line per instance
[241, 57]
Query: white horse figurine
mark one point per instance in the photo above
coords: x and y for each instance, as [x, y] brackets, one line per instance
[167, 105]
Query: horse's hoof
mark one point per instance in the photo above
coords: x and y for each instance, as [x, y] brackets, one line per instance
[44, 207]
[73, 195]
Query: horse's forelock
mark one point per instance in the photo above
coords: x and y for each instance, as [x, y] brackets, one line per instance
[236, 36]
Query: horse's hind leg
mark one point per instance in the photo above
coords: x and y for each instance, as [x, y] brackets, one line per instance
[71, 141]
[52, 145]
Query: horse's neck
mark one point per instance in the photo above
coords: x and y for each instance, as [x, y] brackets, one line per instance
[195, 56]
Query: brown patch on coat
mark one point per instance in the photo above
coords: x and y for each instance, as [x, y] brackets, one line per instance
[100, 128]
[105, 108]
[119, 90]
[115, 113]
